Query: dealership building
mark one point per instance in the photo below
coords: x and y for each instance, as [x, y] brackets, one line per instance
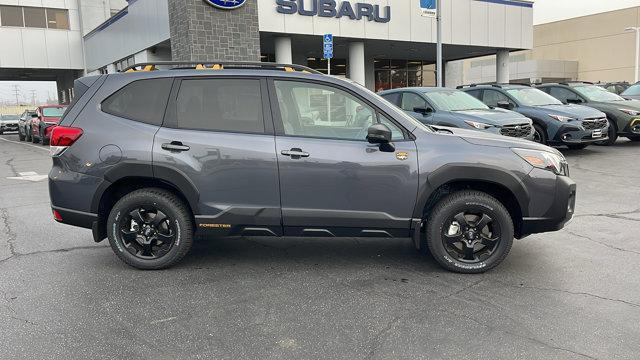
[378, 43]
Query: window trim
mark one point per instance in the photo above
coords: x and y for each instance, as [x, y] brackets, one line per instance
[277, 118]
[171, 118]
[164, 113]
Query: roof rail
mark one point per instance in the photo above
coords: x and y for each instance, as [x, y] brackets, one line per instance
[219, 65]
[466, 86]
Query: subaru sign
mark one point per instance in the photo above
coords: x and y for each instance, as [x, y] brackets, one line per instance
[336, 9]
[226, 4]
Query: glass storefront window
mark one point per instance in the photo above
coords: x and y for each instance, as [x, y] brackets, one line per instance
[11, 16]
[35, 17]
[391, 74]
[338, 66]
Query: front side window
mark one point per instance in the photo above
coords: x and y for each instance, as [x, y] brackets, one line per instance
[454, 100]
[410, 101]
[493, 97]
[142, 100]
[563, 94]
[633, 90]
[596, 93]
[533, 97]
[232, 105]
[321, 111]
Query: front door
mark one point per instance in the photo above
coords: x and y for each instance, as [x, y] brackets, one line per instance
[332, 181]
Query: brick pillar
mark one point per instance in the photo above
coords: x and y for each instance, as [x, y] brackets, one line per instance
[201, 32]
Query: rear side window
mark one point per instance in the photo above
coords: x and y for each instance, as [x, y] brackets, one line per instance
[233, 105]
[142, 100]
[393, 98]
[474, 93]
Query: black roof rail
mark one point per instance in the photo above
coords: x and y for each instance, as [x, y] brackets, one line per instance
[219, 65]
[466, 86]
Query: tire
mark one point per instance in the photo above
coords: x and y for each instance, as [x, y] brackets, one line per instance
[21, 136]
[540, 135]
[577, 146]
[469, 202]
[34, 139]
[613, 135]
[1, 132]
[27, 134]
[178, 223]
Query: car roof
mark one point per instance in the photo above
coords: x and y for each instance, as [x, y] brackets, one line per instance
[493, 86]
[422, 89]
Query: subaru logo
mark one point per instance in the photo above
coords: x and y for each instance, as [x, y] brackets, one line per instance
[518, 127]
[226, 4]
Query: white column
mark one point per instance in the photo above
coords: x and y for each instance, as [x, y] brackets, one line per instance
[356, 62]
[283, 50]
[502, 66]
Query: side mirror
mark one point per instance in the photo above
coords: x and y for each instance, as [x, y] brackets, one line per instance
[34, 116]
[378, 134]
[505, 105]
[423, 110]
[574, 101]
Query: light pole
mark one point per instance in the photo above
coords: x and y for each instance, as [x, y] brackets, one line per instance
[637, 31]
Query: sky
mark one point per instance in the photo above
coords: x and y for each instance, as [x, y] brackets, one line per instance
[545, 11]
[43, 89]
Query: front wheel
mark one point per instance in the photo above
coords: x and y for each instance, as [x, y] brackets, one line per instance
[27, 134]
[21, 136]
[150, 229]
[469, 232]
[577, 146]
[613, 135]
[539, 134]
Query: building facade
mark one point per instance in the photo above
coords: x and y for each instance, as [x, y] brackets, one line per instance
[595, 48]
[379, 43]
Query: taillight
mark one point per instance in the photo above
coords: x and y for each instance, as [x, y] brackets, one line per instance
[56, 216]
[62, 137]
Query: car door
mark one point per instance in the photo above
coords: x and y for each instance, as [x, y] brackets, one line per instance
[332, 181]
[217, 140]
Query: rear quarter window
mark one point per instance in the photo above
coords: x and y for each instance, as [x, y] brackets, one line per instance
[141, 100]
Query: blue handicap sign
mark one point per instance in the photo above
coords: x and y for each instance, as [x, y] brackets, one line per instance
[328, 38]
[328, 46]
[428, 4]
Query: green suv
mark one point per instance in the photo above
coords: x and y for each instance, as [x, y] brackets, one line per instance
[623, 115]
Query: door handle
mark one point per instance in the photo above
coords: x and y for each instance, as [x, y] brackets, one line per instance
[175, 146]
[295, 153]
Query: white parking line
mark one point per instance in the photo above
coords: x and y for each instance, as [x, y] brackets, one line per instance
[21, 143]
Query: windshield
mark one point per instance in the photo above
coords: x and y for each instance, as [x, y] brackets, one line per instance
[533, 97]
[454, 100]
[596, 93]
[53, 111]
[633, 90]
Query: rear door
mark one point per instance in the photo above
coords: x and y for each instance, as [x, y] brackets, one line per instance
[218, 137]
[332, 181]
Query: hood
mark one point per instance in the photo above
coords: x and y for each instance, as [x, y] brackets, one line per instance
[498, 117]
[484, 138]
[629, 104]
[574, 111]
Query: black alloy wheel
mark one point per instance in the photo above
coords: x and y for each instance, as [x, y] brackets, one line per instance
[539, 135]
[471, 237]
[147, 233]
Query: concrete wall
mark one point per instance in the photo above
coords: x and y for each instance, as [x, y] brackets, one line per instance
[95, 12]
[465, 22]
[22, 47]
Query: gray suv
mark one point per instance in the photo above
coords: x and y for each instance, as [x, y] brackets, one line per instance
[149, 159]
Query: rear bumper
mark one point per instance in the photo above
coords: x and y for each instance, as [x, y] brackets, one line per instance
[76, 218]
[559, 213]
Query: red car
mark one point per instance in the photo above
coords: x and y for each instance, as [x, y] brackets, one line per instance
[44, 120]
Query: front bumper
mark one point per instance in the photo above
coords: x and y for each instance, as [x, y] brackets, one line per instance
[9, 127]
[559, 212]
[633, 128]
[570, 134]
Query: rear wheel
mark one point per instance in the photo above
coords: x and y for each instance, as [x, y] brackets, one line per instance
[34, 139]
[577, 146]
[27, 134]
[613, 135]
[539, 135]
[150, 229]
[469, 232]
[21, 136]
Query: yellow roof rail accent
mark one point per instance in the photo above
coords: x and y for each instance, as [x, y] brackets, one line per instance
[213, 67]
[146, 68]
[289, 69]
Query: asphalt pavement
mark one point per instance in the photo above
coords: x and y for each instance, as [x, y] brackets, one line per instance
[573, 294]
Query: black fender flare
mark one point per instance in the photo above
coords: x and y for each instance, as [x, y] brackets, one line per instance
[458, 172]
[169, 175]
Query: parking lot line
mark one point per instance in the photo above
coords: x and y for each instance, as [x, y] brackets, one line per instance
[21, 143]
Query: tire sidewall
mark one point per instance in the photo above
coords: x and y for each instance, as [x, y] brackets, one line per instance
[180, 224]
[468, 204]
[543, 135]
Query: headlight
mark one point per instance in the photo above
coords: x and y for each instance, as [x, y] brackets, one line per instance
[544, 160]
[561, 118]
[630, 112]
[478, 125]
